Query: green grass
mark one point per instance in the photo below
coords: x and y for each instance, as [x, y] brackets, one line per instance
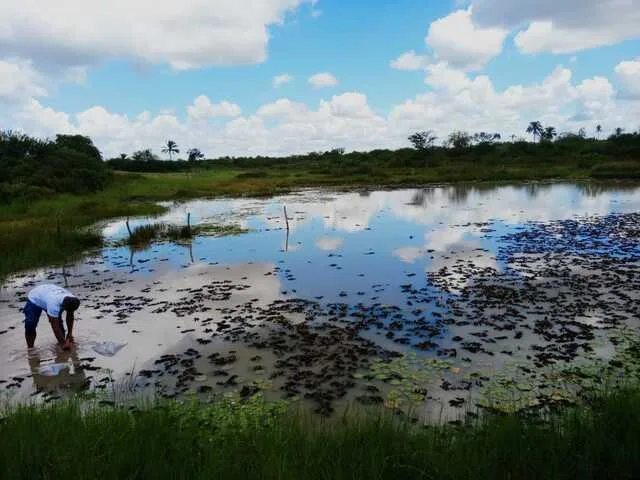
[244, 441]
[142, 235]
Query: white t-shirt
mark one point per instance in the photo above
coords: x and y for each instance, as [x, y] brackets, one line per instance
[49, 298]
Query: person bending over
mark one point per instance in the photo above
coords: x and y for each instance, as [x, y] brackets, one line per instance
[53, 300]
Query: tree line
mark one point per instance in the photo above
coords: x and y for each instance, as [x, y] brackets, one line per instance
[459, 145]
[32, 168]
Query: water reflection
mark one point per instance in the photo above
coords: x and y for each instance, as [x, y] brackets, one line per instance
[63, 374]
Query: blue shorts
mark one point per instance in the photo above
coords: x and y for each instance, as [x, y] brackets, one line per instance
[32, 314]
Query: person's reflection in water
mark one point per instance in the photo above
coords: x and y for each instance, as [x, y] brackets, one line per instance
[54, 378]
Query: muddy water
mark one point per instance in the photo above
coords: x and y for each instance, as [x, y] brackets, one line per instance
[478, 277]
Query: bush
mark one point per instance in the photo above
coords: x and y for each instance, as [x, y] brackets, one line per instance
[31, 168]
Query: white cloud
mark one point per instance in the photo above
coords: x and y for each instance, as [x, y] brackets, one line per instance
[279, 80]
[321, 80]
[348, 105]
[20, 81]
[42, 121]
[596, 95]
[440, 75]
[410, 61]
[628, 73]
[456, 101]
[562, 26]
[282, 107]
[188, 34]
[456, 40]
[547, 37]
[202, 109]
[460, 102]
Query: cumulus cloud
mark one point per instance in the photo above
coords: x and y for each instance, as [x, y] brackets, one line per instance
[628, 73]
[279, 80]
[410, 61]
[321, 80]
[20, 81]
[188, 34]
[282, 107]
[456, 100]
[461, 102]
[562, 26]
[203, 109]
[348, 105]
[456, 40]
[596, 95]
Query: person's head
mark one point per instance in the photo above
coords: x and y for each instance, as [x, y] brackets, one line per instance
[70, 304]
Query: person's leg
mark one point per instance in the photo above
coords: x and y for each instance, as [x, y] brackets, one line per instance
[31, 317]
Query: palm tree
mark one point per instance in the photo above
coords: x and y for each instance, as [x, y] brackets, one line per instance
[171, 148]
[549, 133]
[598, 130]
[194, 154]
[124, 156]
[536, 129]
[619, 131]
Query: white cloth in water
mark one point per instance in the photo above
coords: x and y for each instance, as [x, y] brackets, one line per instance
[53, 369]
[49, 298]
[108, 349]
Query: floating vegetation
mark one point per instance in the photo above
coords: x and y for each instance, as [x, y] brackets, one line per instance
[517, 387]
[144, 235]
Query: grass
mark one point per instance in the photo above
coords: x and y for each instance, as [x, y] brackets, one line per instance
[142, 235]
[29, 229]
[233, 440]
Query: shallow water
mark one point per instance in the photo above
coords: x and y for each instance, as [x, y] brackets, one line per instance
[359, 275]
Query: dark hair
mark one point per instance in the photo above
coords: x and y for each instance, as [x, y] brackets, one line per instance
[70, 304]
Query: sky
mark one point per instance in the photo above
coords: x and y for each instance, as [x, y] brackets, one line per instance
[280, 77]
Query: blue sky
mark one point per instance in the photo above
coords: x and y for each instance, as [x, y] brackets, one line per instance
[472, 68]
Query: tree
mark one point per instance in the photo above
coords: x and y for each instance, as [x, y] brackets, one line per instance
[124, 156]
[79, 143]
[598, 130]
[536, 129]
[171, 148]
[194, 154]
[549, 134]
[582, 133]
[484, 137]
[423, 141]
[619, 131]
[144, 156]
[459, 139]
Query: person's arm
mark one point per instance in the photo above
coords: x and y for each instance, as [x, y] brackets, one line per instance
[57, 331]
[70, 320]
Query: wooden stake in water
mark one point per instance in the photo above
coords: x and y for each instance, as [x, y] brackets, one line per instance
[128, 227]
[189, 223]
[286, 218]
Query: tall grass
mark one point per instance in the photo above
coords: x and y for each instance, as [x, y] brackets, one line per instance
[28, 244]
[601, 440]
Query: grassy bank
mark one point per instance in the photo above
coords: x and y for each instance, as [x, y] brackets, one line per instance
[29, 229]
[230, 440]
